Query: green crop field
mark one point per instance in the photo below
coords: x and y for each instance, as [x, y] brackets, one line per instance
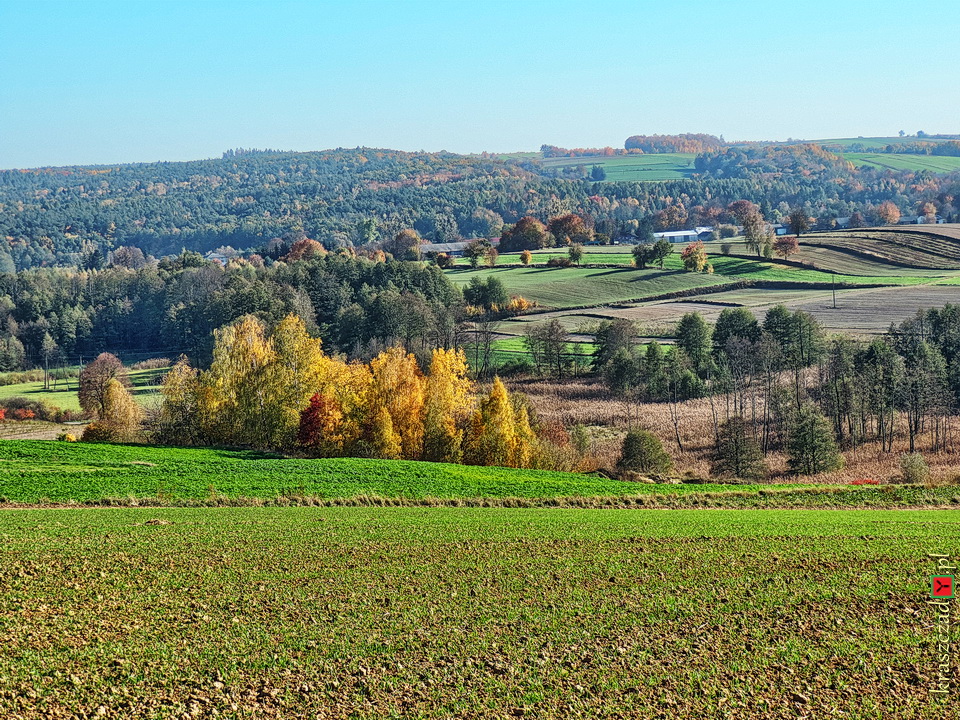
[469, 613]
[59, 472]
[573, 287]
[662, 166]
[43, 472]
[898, 161]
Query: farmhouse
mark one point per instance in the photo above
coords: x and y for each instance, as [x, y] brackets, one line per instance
[701, 232]
[216, 257]
[453, 249]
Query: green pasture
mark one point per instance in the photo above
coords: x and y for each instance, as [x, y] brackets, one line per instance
[662, 166]
[899, 161]
[63, 393]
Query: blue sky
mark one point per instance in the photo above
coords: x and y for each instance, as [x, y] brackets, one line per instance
[86, 82]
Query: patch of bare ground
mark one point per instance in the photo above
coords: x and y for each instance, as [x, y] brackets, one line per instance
[36, 430]
[586, 401]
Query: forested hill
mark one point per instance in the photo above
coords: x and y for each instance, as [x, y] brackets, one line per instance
[59, 216]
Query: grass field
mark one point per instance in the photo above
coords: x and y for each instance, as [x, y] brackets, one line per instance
[898, 161]
[663, 166]
[59, 472]
[469, 613]
[48, 472]
[576, 287]
[145, 386]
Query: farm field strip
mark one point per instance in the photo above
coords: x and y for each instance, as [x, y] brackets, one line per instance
[649, 167]
[380, 612]
[905, 161]
[44, 471]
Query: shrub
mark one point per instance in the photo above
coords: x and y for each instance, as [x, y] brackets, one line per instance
[562, 262]
[865, 481]
[38, 410]
[152, 364]
[914, 468]
[97, 432]
[643, 452]
[67, 437]
[725, 248]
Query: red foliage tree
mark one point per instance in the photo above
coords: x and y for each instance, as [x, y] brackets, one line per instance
[321, 425]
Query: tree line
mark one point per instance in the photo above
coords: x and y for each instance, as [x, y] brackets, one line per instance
[77, 216]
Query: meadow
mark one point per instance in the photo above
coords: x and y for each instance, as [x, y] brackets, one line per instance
[63, 392]
[633, 168]
[901, 161]
[470, 613]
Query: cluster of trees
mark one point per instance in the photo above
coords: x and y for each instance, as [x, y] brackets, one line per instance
[642, 144]
[783, 385]
[357, 305]
[278, 390]
[364, 198]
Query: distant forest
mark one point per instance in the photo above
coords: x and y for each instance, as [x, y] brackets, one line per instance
[247, 199]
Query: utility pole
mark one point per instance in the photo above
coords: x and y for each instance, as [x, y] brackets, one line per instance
[833, 284]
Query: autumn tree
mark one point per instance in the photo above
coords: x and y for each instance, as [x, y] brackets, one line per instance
[528, 234]
[397, 387]
[491, 256]
[888, 213]
[694, 257]
[94, 379]
[756, 231]
[304, 249]
[321, 426]
[446, 406]
[120, 418]
[475, 250]
[569, 228]
[786, 245]
[296, 373]
[405, 245]
[492, 437]
[525, 257]
[742, 209]
[180, 422]
[237, 395]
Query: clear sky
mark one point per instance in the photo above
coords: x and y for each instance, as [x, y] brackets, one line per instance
[98, 81]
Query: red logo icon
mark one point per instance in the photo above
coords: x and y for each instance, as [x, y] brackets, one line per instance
[941, 586]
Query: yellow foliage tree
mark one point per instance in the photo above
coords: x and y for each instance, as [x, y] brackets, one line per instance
[298, 370]
[179, 414]
[447, 405]
[120, 418]
[238, 397]
[397, 386]
[526, 446]
[382, 440]
[493, 436]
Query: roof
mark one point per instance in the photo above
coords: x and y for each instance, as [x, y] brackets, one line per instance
[676, 233]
